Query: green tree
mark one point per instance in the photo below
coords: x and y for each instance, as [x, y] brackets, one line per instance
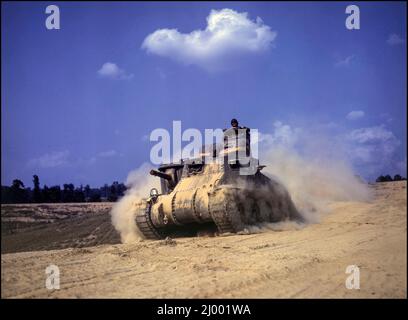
[36, 190]
[45, 194]
[55, 194]
[113, 192]
[68, 193]
[397, 177]
[79, 195]
[18, 192]
[87, 192]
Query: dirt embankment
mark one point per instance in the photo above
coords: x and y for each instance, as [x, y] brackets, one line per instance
[32, 227]
[310, 262]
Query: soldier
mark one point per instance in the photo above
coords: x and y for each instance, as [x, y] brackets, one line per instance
[234, 124]
[234, 127]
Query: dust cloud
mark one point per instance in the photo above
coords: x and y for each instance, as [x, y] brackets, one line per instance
[139, 183]
[313, 168]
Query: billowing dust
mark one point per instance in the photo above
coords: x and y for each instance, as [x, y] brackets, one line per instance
[314, 183]
[139, 183]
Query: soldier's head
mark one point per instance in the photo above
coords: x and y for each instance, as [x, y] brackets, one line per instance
[234, 123]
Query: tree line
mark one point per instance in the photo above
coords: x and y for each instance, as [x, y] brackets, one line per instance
[388, 178]
[18, 193]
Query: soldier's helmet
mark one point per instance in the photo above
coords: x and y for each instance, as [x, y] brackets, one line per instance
[234, 122]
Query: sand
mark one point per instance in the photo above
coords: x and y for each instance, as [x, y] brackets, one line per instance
[309, 262]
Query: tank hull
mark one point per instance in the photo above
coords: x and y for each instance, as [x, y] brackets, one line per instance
[217, 196]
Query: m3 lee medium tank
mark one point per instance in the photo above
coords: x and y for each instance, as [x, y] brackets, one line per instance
[226, 194]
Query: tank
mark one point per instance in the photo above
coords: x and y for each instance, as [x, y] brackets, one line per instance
[223, 193]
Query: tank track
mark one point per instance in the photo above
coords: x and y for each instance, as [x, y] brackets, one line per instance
[221, 211]
[145, 225]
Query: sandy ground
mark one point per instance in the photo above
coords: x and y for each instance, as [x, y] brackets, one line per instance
[306, 263]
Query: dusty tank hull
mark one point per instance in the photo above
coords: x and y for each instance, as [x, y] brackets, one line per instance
[212, 196]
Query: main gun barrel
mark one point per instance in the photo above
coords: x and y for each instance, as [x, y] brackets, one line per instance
[161, 175]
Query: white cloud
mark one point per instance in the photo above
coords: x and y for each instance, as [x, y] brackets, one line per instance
[373, 149]
[227, 33]
[112, 71]
[91, 160]
[344, 62]
[107, 154]
[51, 160]
[371, 134]
[395, 39]
[283, 135]
[370, 150]
[354, 115]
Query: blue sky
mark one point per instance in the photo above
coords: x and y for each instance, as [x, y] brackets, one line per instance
[79, 102]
